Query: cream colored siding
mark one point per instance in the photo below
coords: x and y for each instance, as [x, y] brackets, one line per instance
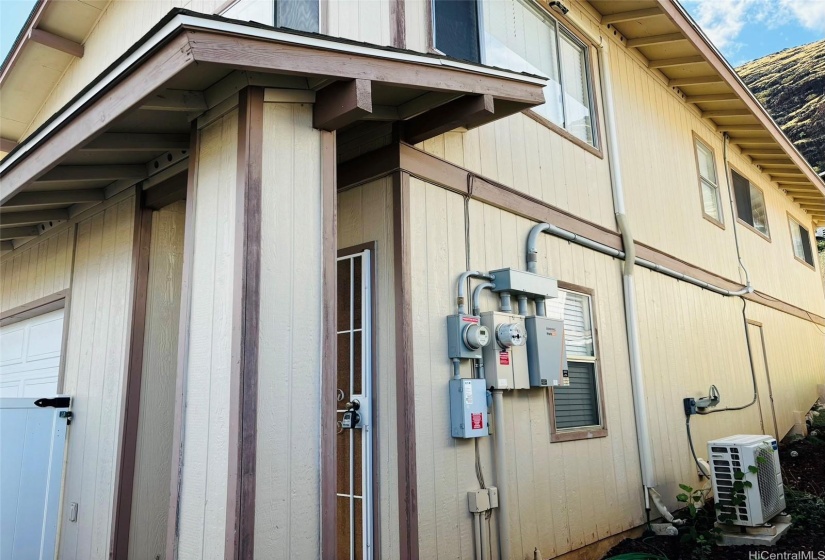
[261, 11]
[417, 14]
[287, 504]
[557, 503]
[365, 214]
[360, 20]
[37, 270]
[153, 469]
[96, 358]
[209, 363]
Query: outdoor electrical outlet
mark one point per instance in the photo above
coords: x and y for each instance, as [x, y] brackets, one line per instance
[690, 406]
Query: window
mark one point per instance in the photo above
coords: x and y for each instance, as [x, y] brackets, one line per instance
[708, 182]
[750, 204]
[302, 15]
[522, 37]
[577, 408]
[456, 26]
[801, 240]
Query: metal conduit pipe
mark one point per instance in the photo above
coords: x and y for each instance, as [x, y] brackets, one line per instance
[477, 296]
[522, 305]
[505, 305]
[461, 300]
[501, 475]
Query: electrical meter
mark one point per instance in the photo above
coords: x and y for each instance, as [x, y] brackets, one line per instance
[476, 336]
[466, 336]
[510, 334]
[505, 358]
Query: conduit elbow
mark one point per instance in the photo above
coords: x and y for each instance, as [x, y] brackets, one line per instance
[532, 246]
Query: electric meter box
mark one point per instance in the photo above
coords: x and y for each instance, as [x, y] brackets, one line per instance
[546, 360]
[468, 408]
[465, 336]
[505, 357]
[519, 282]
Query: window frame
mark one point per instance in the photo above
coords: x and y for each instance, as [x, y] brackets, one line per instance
[582, 432]
[696, 141]
[563, 25]
[767, 236]
[811, 237]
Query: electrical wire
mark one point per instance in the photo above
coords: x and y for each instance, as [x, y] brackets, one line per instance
[692, 450]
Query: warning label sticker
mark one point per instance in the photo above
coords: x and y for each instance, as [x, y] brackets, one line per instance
[476, 420]
[468, 393]
[467, 319]
[504, 358]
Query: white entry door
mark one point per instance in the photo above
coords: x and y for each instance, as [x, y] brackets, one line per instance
[30, 356]
[32, 444]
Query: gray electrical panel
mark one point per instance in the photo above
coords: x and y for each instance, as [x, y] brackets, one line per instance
[546, 360]
[466, 336]
[519, 282]
[468, 408]
[505, 357]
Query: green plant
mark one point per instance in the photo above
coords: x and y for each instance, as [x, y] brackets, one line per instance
[700, 534]
[727, 513]
[806, 510]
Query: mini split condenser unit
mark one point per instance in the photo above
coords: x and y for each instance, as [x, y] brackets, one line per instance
[760, 500]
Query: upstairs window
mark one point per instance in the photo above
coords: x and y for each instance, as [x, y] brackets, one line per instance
[456, 28]
[522, 37]
[750, 205]
[578, 406]
[801, 240]
[301, 15]
[708, 182]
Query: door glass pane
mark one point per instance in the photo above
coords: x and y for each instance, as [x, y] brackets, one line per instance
[456, 29]
[518, 38]
[710, 200]
[760, 213]
[297, 14]
[576, 91]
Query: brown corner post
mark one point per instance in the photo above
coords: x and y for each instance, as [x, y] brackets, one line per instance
[134, 374]
[243, 437]
[405, 395]
[329, 403]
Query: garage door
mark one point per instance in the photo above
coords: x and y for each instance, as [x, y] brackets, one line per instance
[30, 356]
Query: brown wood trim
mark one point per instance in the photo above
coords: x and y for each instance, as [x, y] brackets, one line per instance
[811, 241]
[368, 167]
[583, 433]
[405, 383]
[131, 414]
[99, 114]
[699, 140]
[172, 524]
[376, 427]
[243, 425]
[398, 29]
[329, 344]
[530, 113]
[33, 308]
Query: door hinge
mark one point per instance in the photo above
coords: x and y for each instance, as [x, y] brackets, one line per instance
[57, 402]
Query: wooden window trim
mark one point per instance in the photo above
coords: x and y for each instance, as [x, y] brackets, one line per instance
[586, 432]
[718, 223]
[811, 238]
[766, 237]
[593, 79]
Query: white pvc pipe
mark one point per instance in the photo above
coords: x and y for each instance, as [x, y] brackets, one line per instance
[501, 475]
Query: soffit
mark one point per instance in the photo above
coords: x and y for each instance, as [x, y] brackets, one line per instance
[671, 43]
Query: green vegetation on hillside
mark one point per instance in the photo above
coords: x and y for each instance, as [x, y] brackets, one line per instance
[791, 86]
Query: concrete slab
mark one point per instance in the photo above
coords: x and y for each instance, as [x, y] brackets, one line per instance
[739, 539]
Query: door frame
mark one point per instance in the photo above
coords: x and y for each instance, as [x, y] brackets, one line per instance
[760, 326]
[374, 378]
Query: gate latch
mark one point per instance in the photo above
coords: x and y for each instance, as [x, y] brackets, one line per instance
[351, 417]
[57, 402]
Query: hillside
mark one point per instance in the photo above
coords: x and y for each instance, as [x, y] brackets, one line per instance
[791, 85]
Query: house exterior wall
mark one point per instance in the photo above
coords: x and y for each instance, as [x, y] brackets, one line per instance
[91, 260]
[153, 467]
[287, 502]
[365, 214]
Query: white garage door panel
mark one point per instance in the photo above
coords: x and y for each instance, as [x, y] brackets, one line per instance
[30, 356]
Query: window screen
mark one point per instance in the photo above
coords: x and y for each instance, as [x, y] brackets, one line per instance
[708, 182]
[456, 28]
[801, 240]
[522, 37]
[577, 405]
[750, 203]
[302, 15]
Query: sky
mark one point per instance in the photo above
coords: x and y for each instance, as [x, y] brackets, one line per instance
[742, 30]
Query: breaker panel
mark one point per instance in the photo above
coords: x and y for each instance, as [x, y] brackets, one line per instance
[505, 357]
[468, 408]
[546, 360]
